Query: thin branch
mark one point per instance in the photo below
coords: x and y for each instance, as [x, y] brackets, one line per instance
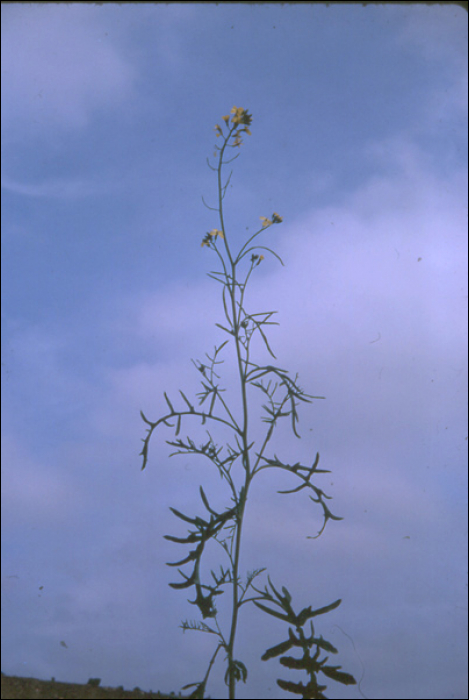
[153, 426]
[208, 207]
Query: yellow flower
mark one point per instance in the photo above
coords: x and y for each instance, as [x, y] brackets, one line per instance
[212, 234]
[276, 219]
[226, 119]
[240, 116]
[218, 130]
[215, 232]
[256, 260]
[265, 221]
[237, 112]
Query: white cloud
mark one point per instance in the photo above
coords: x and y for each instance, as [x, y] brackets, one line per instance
[36, 359]
[55, 189]
[179, 312]
[32, 491]
[59, 65]
[391, 259]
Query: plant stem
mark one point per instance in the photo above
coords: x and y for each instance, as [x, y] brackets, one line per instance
[234, 614]
[232, 286]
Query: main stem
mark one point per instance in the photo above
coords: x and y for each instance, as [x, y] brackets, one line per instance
[245, 455]
[242, 498]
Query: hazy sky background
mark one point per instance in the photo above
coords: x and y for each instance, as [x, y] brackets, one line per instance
[359, 140]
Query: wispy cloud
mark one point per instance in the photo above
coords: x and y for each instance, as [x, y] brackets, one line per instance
[34, 493]
[46, 81]
[57, 189]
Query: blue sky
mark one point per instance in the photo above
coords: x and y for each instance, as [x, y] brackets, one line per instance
[359, 140]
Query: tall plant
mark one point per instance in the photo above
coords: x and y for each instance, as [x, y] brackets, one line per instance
[244, 456]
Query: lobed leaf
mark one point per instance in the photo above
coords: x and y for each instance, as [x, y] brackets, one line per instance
[339, 676]
[324, 644]
[238, 669]
[303, 664]
[297, 688]
[277, 650]
[304, 615]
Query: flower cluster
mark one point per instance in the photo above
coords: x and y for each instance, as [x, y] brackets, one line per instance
[240, 117]
[212, 234]
[276, 219]
[257, 259]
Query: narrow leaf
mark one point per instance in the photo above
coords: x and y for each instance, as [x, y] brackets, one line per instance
[185, 584]
[294, 640]
[169, 403]
[298, 488]
[267, 314]
[145, 419]
[304, 615]
[275, 590]
[191, 407]
[280, 616]
[205, 501]
[226, 308]
[297, 688]
[217, 350]
[339, 676]
[277, 650]
[265, 340]
[183, 517]
[242, 668]
[327, 608]
[193, 537]
[224, 329]
[216, 278]
[324, 644]
[190, 556]
[212, 403]
[299, 664]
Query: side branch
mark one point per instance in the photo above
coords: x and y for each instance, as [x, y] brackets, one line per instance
[304, 474]
[178, 415]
